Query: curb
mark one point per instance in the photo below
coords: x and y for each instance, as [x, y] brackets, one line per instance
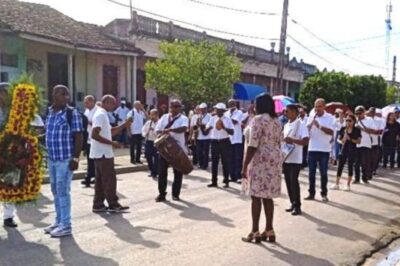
[80, 174]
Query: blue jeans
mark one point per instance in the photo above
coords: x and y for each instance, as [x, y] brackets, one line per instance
[316, 158]
[60, 180]
[338, 146]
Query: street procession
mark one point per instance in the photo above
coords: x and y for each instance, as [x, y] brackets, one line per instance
[144, 142]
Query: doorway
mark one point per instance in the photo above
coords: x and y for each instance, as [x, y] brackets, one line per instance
[57, 65]
[110, 80]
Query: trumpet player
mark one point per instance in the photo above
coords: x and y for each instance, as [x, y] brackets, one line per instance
[203, 139]
[220, 127]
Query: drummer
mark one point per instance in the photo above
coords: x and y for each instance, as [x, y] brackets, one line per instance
[175, 124]
[220, 128]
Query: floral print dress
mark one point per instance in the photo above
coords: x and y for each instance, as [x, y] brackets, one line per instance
[265, 169]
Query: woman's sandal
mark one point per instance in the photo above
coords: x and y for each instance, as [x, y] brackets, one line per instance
[252, 236]
[268, 236]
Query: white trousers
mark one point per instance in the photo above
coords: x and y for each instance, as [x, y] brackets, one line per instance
[9, 210]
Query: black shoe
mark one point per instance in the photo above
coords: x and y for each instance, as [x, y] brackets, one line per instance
[226, 184]
[176, 198]
[356, 182]
[150, 175]
[117, 208]
[366, 182]
[10, 223]
[309, 198]
[139, 162]
[212, 185]
[160, 198]
[133, 162]
[100, 209]
[290, 209]
[239, 181]
[154, 176]
[296, 211]
[93, 181]
[325, 199]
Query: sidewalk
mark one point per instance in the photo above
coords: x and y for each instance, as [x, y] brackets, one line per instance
[122, 165]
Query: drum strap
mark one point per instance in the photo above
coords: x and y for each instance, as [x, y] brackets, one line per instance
[172, 122]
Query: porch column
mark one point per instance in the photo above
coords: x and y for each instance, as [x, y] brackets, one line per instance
[71, 75]
[128, 87]
[134, 87]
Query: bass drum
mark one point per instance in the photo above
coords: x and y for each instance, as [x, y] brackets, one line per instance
[170, 150]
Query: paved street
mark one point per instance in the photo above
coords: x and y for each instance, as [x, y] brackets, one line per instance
[205, 227]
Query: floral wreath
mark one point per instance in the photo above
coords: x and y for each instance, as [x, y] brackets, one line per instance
[21, 170]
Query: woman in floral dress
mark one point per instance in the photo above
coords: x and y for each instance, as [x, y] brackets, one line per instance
[263, 166]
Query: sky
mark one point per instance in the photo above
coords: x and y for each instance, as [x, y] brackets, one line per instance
[353, 31]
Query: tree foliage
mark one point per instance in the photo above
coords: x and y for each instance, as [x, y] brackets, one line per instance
[340, 87]
[195, 72]
[392, 95]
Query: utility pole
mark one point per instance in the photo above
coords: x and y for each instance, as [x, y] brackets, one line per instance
[279, 89]
[394, 69]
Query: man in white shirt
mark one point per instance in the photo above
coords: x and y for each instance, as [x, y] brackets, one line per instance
[138, 115]
[122, 114]
[321, 128]
[175, 124]
[294, 132]
[149, 134]
[220, 127]
[363, 161]
[304, 118]
[193, 133]
[236, 158]
[102, 152]
[376, 149]
[339, 123]
[90, 105]
[203, 139]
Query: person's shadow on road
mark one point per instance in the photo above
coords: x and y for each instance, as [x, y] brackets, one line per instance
[15, 250]
[125, 231]
[198, 213]
[73, 255]
[292, 257]
[35, 213]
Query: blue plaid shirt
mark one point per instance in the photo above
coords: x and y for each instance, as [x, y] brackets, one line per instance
[59, 134]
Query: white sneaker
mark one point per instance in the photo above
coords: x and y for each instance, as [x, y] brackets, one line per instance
[335, 187]
[61, 231]
[347, 188]
[50, 228]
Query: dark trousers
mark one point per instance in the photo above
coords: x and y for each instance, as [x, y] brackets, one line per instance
[363, 163]
[320, 159]
[136, 147]
[203, 152]
[388, 156]
[163, 179]
[398, 154]
[350, 158]
[122, 137]
[236, 161]
[106, 183]
[375, 154]
[152, 156]
[220, 149]
[90, 172]
[193, 147]
[305, 156]
[291, 172]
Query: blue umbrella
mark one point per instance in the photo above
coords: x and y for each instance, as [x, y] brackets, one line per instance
[247, 91]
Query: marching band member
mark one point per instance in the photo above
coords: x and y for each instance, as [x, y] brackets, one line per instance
[176, 125]
[149, 134]
[220, 128]
[203, 140]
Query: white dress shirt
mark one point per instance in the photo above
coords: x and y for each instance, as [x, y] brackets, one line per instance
[149, 130]
[379, 125]
[122, 113]
[205, 118]
[138, 120]
[296, 130]
[216, 134]
[237, 115]
[97, 149]
[366, 138]
[319, 140]
[182, 121]
[89, 114]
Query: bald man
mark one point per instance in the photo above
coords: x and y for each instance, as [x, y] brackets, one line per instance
[90, 108]
[64, 145]
[102, 153]
[321, 128]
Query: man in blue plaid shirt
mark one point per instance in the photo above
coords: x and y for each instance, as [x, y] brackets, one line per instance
[64, 144]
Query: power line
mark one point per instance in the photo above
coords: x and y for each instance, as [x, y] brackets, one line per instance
[315, 54]
[334, 47]
[234, 9]
[193, 24]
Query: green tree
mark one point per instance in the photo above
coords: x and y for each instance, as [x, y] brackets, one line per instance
[332, 86]
[340, 87]
[195, 72]
[392, 95]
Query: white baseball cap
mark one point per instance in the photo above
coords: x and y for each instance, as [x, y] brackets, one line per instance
[203, 105]
[220, 106]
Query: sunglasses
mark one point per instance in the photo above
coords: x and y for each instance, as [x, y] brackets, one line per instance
[349, 120]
